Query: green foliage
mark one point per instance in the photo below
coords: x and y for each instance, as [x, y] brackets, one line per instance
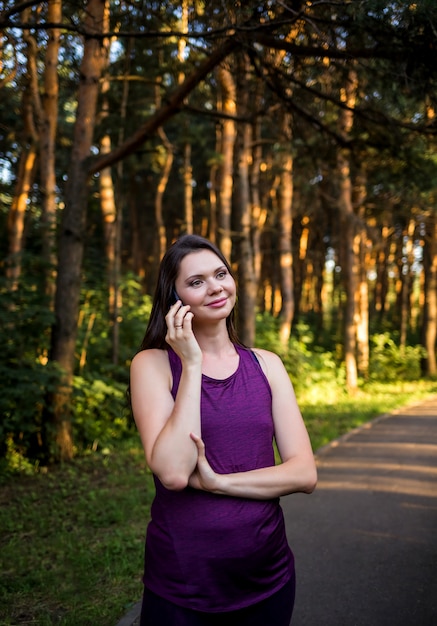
[309, 366]
[101, 414]
[390, 363]
[100, 410]
[100, 403]
[25, 371]
[95, 338]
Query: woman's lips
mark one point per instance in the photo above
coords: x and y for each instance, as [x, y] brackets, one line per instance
[217, 303]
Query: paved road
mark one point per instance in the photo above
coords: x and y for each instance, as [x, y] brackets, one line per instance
[365, 541]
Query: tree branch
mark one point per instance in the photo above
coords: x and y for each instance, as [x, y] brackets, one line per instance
[165, 112]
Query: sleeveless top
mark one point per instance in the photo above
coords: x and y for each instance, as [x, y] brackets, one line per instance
[216, 553]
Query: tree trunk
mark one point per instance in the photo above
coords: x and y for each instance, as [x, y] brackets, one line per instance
[363, 286]
[119, 215]
[47, 127]
[285, 219]
[162, 185]
[187, 167]
[381, 283]
[351, 260]
[429, 332]
[107, 192]
[17, 214]
[26, 170]
[228, 137]
[259, 213]
[406, 275]
[247, 281]
[188, 188]
[58, 434]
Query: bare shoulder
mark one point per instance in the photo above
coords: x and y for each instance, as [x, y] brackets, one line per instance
[152, 356]
[152, 362]
[270, 362]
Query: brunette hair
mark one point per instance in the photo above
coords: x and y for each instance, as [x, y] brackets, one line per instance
[164, 292]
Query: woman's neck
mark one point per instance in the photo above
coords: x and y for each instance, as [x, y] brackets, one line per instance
[215, 341]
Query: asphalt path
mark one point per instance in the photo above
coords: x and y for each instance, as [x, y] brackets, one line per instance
[365, 542]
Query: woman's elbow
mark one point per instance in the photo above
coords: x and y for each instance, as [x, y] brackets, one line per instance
[310, 482]
[175, 482]
[170, 478]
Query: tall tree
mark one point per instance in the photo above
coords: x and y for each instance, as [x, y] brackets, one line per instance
[351, 239]
[47, 116]
[228, 137]
[72, 235]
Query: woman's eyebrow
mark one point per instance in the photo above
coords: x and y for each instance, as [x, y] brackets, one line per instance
[218, 269]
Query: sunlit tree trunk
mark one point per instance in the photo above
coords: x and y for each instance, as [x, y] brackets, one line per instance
[109, 213]
[228, 138]
[167, 155]
[58, 431]
[285, 223]
[213, 192]
[108, 205]
[246, 274]
[259, 212]
[351, 243]
[381, 282]
[429, 331]
[119, 216]
[363, 285]
[187, 167]
[17, 213]
[162, 186]
[26, 170]
[406, 276]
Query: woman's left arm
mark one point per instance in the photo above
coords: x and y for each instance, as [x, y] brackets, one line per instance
[296, 473]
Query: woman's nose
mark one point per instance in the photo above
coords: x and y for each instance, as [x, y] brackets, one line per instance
[215, 287]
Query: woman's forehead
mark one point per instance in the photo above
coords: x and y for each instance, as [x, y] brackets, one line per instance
[199, 261]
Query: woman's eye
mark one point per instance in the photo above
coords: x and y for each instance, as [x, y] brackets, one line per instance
[221, 274]
[196, 283]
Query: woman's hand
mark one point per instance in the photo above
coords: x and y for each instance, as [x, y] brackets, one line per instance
[203, 477]
[180, 334]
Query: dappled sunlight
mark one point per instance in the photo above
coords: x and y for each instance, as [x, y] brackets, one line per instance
[389, 455]
[385, 484]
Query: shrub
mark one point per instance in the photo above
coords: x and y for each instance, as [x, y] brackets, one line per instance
[390, 362]
[101, 412]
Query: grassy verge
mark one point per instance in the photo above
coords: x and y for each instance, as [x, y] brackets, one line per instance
[71, 539]
[329, 413]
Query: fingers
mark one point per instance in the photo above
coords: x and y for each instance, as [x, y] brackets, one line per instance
[178, 318]
[199, 443]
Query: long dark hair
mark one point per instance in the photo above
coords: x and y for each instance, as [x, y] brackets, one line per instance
[163, 297]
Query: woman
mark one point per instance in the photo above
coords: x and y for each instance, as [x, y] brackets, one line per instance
[207, 410]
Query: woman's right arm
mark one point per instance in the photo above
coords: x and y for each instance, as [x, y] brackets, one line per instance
[165, 425]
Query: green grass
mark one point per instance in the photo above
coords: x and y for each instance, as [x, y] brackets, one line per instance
[71, 541]
[71, 538]
[330, 413]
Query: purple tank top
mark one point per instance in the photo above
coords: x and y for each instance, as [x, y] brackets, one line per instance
[217, 553]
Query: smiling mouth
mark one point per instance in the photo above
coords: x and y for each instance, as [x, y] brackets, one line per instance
[217, 303]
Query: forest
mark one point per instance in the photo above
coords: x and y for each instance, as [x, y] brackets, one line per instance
[300, 136]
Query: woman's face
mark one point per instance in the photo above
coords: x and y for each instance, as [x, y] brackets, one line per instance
[206, 285]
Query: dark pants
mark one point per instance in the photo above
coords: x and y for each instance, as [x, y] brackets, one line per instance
[273, 611]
